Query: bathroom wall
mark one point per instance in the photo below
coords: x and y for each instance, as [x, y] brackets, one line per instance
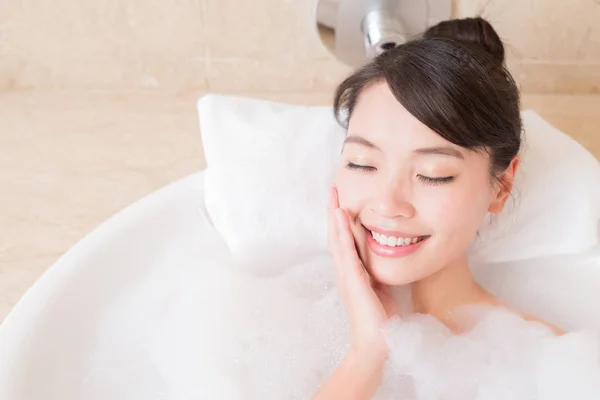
[112, 115]
[256, 46]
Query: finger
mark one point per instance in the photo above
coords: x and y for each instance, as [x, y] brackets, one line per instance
[333, 238]
[345, 237]
[333, 229]
[334, 199]
[351, 262]
[330, 204]
[332, 224]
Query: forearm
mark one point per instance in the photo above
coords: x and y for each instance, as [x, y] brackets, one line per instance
[355, 379]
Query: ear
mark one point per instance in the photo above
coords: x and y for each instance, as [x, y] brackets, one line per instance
[505, 186]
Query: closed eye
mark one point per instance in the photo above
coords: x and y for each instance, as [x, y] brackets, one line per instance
[435, 181]
[359, 167]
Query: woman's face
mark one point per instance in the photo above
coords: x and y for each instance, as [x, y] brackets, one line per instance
[415, 200]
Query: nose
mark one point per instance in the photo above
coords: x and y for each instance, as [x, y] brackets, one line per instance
[392, 202]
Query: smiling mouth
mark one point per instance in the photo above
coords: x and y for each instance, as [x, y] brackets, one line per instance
[393, 241]
[385, 239]
[394, 246]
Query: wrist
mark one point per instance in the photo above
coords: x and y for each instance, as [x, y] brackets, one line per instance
[370, 357]
[357, 378]
[366, 368]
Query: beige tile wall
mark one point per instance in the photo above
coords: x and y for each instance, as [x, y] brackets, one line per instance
[258, 45]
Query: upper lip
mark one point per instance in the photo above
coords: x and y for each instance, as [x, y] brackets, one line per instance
[388, 232]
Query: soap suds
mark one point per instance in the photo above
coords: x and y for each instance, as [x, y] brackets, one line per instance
[232, 334]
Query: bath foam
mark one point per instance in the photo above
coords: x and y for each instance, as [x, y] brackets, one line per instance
[287, 334]
[232, 334]
[501, 357]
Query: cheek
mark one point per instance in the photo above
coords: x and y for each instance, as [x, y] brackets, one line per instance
[459, 209]
[352, 190]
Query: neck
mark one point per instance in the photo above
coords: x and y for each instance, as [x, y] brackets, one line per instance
[451, 287]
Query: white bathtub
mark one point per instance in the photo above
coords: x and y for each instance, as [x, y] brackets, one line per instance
[49, 338]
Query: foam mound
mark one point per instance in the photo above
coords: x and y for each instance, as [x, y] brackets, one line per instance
[238, 335]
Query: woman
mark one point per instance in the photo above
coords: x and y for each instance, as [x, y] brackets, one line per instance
[433, 135]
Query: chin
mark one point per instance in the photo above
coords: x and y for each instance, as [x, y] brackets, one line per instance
[393, 272]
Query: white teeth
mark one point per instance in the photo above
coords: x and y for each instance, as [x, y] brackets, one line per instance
[393, 241]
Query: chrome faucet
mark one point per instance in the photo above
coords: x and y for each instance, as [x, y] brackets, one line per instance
[358, 30]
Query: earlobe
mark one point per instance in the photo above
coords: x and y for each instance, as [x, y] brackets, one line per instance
[498, 204]
[505, 186]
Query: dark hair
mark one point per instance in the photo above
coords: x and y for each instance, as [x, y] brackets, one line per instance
[454, 80]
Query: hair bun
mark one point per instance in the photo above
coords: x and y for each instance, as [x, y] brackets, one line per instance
[470, 30]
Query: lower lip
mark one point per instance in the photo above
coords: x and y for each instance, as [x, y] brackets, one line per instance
[389, 251]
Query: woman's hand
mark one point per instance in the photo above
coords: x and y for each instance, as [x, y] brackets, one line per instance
[368, 304]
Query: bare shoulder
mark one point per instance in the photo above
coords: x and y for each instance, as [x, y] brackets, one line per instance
[464, 317]
[532, 318]
[495, 301]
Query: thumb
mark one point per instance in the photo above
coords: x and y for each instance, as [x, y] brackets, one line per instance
[353, 267]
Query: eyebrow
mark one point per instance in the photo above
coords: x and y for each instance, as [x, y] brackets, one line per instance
[439, 150]
[361, 141]
[445, 151]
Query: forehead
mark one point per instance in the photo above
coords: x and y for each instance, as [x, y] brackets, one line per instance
[380, 118]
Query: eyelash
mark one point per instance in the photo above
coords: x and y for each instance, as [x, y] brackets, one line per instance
[425, 179]
[360, 167]
[435, 181]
